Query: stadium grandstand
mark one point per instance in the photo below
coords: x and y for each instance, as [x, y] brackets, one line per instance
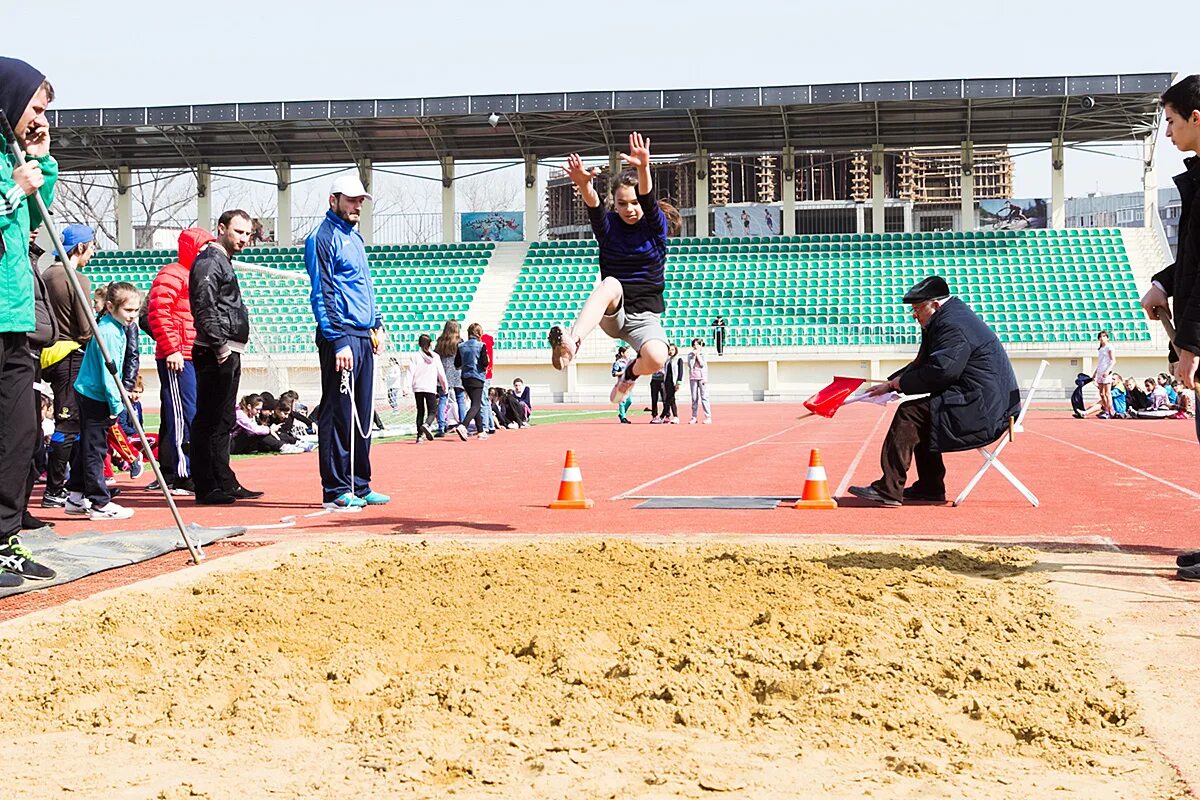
[807, 212]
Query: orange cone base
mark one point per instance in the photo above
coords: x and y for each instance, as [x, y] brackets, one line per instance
[829, 503]
[585, 503]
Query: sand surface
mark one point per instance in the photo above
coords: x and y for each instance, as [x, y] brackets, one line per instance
[577, 669]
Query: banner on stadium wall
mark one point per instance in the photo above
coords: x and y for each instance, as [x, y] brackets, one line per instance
[493, 226]
[1013, 215]
[747, 220]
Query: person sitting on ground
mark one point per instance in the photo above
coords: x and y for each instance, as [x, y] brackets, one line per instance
[522, 393]
[1158, 406]
[972, 396]
[1165, 381]
[1135, 398]
[1117, 393]
[249, 436]
[1183, 399]
[508, 409]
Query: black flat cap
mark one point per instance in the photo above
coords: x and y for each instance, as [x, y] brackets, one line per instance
[932, 288]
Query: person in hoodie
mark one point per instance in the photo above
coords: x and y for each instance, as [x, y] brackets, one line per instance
[972, 390]
[425, 377]
[24, 96]
[174, 332]
[349, 336]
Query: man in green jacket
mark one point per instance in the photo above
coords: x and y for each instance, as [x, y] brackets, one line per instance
[24, 96]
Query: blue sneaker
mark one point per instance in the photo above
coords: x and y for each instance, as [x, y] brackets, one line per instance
[374, 499]
[346, 502]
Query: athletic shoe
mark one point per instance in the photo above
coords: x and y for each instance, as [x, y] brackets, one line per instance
[1188, 559]
[375, 499]
[656, 421]
[31, 523]
[216, 499]
[461, 431]
[136, 469]
[625, 420]
[624, 385]
[182, 489]
[562, 347]
[872, 494]
[427, 432]
[77, 506]
[440, 435]
[708, 420]
[110, 482]
[1103, 415]
[1179, 415]
[347, 502]
[1188, 573]
[10, 580]
[242, 493]
[1077, 413]
[153, 486]
[54, 500]
[484, 435]
[114, 492]
[110, 511]
[674, 420]
[692, 421]
[512, 426]
[17, 559]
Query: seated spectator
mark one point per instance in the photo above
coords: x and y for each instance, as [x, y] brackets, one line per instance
[1159, 405]
[289, 425]
[1183, 400]
[1135, 398]
[508, 410]
[1117, 393]
[268, 408]
[249, 436]
[302, 410]
[522, 393]
[1164, 380]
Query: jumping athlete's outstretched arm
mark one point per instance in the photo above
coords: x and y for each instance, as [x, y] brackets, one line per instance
[638, 157]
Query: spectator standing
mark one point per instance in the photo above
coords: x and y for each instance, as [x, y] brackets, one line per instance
[447, 349]
[620, 363]
[349, 336]
[60, 361]
[222, 325]
[718, 329]
[672, 377]
[170, 319]
[698, 377]
[1105, 361]
[24, 96]
[426, 376]
[472, 359]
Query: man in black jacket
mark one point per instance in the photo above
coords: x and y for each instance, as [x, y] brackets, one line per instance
[972, 392]
[222, 331]
[1181, 107]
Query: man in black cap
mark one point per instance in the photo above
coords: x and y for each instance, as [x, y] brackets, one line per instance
[972, 392]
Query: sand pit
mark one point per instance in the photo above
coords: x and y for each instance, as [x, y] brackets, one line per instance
[577, 669]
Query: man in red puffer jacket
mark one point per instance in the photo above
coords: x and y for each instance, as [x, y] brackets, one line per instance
[170, 319]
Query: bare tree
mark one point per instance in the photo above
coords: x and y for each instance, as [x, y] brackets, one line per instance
[492, 191]
[160, 199]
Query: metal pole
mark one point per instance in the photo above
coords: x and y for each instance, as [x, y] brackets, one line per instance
[110, 365]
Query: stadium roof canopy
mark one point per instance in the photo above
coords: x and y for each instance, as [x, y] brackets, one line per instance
[898, 114]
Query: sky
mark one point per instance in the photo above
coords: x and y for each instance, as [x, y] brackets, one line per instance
[135, 53]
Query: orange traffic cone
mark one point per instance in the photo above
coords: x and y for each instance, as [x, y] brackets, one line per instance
[816, 486]
[570, 490]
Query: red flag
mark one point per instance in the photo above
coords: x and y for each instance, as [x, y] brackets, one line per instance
[827, 401]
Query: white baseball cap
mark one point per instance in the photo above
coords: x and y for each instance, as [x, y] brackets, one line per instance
[351, 186]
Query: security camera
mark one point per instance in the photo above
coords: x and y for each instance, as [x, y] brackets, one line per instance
[493, 119]
[1087, 102]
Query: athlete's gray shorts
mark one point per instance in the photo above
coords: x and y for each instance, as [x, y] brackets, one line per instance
[636, 329]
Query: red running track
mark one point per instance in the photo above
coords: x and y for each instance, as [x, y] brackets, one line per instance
[1118, 483]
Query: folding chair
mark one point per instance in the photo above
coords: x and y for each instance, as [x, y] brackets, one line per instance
[991, 458]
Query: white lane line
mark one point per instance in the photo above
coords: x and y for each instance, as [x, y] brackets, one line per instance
[849, 476]
[625, 495]
[1190, 493]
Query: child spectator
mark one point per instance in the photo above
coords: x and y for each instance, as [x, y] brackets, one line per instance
[99, 404]
[620, 363]
[447, 348]
[673, 376]
[656, 393]
[1135, 398]
[472, 360]
[1105, 361]
[425, 377]
[1119, 405]
[698, 376]
[522, 393]
[249, 435]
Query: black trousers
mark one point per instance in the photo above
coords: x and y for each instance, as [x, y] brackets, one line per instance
[18, 430]
[670, 409]
[61, 376]
[656, 394]
[216, 395]
[87, 462]
[426, 409]
[474, 389]
[908, 437]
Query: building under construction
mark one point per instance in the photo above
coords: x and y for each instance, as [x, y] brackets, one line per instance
[831, 188]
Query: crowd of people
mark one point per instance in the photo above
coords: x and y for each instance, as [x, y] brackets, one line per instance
[1159, 397]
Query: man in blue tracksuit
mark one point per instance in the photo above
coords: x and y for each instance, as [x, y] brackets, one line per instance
[349, 334]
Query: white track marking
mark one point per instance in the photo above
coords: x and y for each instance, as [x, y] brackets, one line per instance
[624, 495]
[849, 476]
[1190, 493]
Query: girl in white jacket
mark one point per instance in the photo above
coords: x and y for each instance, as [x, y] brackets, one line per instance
[425, 375]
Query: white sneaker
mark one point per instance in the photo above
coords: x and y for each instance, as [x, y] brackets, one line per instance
[693, 421]
[461, 431]
[512, 426]
[77, 505]
[708, 421]
[110, 511]
[483, 435]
